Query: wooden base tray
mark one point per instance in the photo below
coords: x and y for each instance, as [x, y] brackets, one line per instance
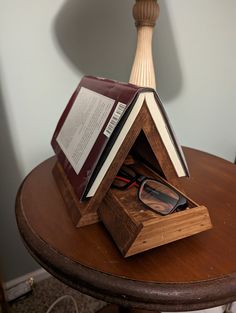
[135, 228]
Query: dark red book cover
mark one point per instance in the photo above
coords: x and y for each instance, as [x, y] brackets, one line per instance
[121, 95]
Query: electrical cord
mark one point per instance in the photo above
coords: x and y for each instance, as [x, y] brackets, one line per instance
[227, 308]
[62, 298]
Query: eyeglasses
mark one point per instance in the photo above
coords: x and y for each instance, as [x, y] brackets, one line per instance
[156, 195]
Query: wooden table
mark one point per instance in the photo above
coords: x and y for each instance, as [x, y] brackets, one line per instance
[193, 273]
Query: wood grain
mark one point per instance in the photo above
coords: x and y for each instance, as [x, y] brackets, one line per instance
[145, 13]
[135, 228]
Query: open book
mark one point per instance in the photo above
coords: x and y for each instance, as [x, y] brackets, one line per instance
[94, 124]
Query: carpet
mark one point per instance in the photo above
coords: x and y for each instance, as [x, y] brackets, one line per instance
[47, 291]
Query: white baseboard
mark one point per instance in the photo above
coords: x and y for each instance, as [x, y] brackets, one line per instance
[37, 275]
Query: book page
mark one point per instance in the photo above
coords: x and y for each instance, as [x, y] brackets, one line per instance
[118, 142]
[166, 135]
[83, 125]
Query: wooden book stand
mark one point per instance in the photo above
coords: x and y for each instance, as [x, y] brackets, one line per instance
[86, 212]
[105, 204]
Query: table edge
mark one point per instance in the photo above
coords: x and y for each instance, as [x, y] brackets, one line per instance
[123, 291]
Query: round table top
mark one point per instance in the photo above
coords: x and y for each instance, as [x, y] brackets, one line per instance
[192, 273]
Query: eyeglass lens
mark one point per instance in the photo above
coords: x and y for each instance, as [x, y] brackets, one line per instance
[158, 196]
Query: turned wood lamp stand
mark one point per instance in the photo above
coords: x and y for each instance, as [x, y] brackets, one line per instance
[145, 13]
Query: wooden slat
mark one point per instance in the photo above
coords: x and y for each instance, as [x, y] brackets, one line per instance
[171, 228]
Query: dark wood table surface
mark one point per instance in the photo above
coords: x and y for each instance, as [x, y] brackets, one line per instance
[193, 273]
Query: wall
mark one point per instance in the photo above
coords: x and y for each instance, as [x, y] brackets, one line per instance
[45, 48]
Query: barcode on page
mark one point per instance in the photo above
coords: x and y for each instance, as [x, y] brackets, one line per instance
[114, 119]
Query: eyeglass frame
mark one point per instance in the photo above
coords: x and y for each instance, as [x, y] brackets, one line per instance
[139, 180]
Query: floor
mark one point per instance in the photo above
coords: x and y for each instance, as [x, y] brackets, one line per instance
[46, 292]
